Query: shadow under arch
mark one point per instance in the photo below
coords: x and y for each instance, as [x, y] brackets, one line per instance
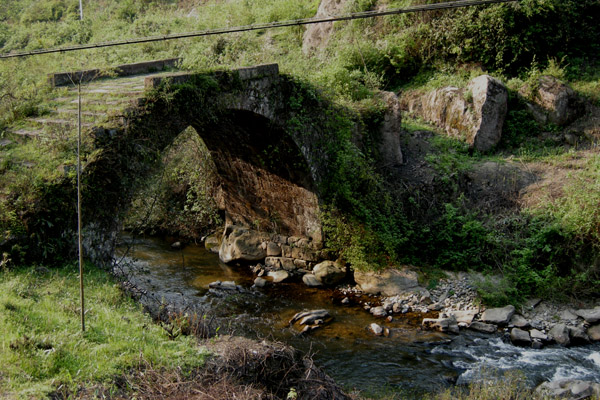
[263, 178]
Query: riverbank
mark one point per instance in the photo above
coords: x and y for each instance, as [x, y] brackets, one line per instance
[124, 353]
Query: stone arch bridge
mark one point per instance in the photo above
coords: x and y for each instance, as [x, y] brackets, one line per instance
[265, 132]
[268, 174]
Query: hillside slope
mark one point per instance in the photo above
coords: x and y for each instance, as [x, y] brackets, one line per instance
[446, 207]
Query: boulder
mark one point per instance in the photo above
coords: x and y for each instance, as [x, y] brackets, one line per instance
[376, 329]
[310, 317]
[300, 264]
[227, 286]
[260, 282]
[278, 276]
[490, 105]
[578, 336]
[518, 321]
[177, 245]
[288, 264]
[476, 113]
[391, 127]
[273, 262]
[311, 281]
[520, 337]
[538, 335]
[329, 272]
[590, 315]
[594, 333]
[273, 250]
[560, 334]
[570, 389]
[465, 317]
[498, 316]
[483, 327]
[390, 282]
[537, 344]
[241, 243]
[553, 101]
[566, 315]
[378, 311]
[317, 35]
[442, 324]
[212, 243]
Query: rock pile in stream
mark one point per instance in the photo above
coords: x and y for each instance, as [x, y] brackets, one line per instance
[535, 324]
[277, 258]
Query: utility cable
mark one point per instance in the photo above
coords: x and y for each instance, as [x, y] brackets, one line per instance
[255, 27]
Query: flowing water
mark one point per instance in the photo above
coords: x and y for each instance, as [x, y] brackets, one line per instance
[409, 358]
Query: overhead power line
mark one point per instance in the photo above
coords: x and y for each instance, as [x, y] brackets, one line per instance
[255, 27]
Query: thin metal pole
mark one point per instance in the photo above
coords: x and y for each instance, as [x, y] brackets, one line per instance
[79, 206]
[80, 10]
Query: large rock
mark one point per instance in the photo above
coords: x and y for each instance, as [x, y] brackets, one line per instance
[553, 101]
[519, 321]
[464, 317]
[273, 250]
[390, 282]
[591, 315]
[594, 333]
[317, 35]
[520, 337]
[311, 317]
[476, 113]
[376, 329]
[490, 104]
[389, 145]
[498, 316]
[560, 334]
[442, 324]
[212, 243]
[578, 336]
[483, 327]
[570, 389]
[329, 272]
[536, 334]
[378, 311]
[241, 243]
[311, 281]
[278, 276]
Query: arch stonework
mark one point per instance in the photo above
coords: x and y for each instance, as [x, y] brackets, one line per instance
[269, 174]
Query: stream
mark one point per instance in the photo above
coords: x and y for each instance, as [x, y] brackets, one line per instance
[410, 359]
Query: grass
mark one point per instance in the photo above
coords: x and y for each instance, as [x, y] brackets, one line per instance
[42, 347]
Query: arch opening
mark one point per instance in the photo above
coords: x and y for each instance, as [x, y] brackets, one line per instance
[263, 179]
[242, 170]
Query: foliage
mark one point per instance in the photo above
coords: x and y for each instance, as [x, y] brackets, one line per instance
[179, 197]
[508, 37]
[42, 347]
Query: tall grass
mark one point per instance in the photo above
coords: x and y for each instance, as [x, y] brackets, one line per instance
[42, 347]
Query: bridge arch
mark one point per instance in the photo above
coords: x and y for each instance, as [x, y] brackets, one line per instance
[268, 176]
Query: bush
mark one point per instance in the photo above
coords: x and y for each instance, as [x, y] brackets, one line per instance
[508, 37]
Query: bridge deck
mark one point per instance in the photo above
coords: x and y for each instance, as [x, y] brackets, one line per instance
[100, 100]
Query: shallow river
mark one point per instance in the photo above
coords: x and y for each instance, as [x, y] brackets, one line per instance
[409, 358]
